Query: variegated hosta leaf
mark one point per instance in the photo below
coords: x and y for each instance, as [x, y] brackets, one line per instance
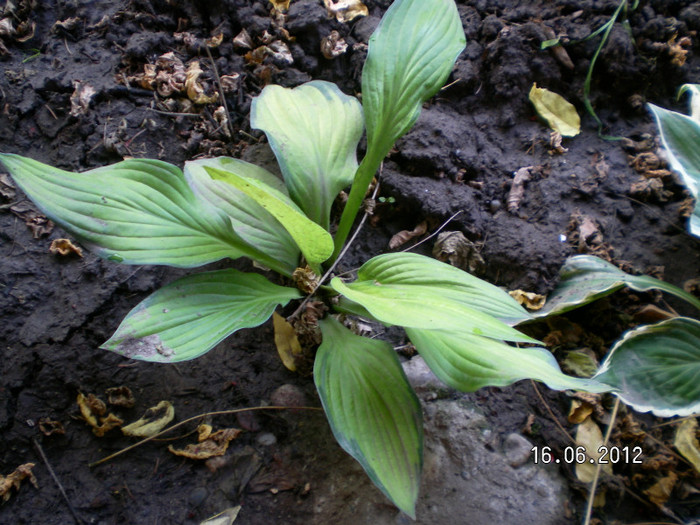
[410, 56]
[315, 243]
[468, 362]
[657, 367]
[250, 220]
[190, 316]
[135, 212]
[314, 130]
[680, 135]
[373, 411]
[584, 279]
[415, 291]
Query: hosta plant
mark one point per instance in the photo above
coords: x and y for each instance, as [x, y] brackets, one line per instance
[151, 212]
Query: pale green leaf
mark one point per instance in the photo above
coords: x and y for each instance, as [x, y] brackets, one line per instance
[417, 270]
[560, 114]
[680, 136]
[372, 410]
[314, 130]
[657, 367]
[468, 362]
[135, 212]
[584, 279]
[190, 316]
[316, 244]
[250, 220]
[410, 56]
[694, 90]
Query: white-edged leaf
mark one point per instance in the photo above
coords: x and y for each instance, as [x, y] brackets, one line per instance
[190, 316]
[412, 290]
[134, 212]
[468, 362]
[314, 242]
[694, 90]
[585, 278]
[657, 367]
[373, 411]
[314, 130]
[680, 136]
[410, 56]
[250, 220]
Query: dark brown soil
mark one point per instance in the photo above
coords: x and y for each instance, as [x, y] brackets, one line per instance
[460, 157]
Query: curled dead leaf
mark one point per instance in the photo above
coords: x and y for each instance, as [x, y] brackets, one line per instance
[64, 247]
[517, 188]
[333, 45]
[280, 5]
[215, 444]
[686, 442]
[286, 341]
[15, 479]
[214, 41]
[7, 28]
[244, 40]
[120, 396]
[305, 279]
[455, 248]
[50, 427]
[346, 10]
[107, 424]
[530, 300]
[195, 90]
[93, 410]
[404, 236]
[579, 411]
[68, 25]
[152, 421]
[660, 491]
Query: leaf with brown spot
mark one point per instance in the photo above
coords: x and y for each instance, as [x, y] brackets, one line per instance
[404, 236]
[64, 247]
[152, 421]
[214, 445]
[15, 479]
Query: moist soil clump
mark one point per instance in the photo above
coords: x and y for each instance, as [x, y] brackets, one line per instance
[85, 84]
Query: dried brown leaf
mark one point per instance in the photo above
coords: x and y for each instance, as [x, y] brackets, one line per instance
[686, 442]
[215, 445]
[579, 411]
[589, 436]
[530, 300]
[214, 41]
[107, 424]
[455, 248]
[660, 491]
[195, 90]
[244, 40]
[346, 10]
[15, 479]
[50, 427]
[404, 236]
[517, 189]
[91, 407]
[64, 247]
[333, 45]
[120, 396]
[280, 5]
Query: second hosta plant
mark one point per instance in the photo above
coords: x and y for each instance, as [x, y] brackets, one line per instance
[151, 212]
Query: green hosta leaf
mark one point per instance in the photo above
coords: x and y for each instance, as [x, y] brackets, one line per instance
[657, 367]
[135, 212]
[694, 90]
[190, 316]
[314, 130]
[413, 290]
[250, 220]
[680, 136]
[315, 243]
[372, 410]
[410, 56]
[469, 362]
[417, 270]
[584, 279]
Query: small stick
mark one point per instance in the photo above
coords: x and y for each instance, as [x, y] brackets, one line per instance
[442, 226]
[221, 90]
[551, 414]
[189, 420]
[55, 479]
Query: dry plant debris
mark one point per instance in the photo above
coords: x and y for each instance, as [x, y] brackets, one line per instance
[530, 300]
[404, 236]
[333, 45]
[49, 427]
[153, 421]
[560, 114]
[686, 442]
[286, 341]
[209, 443]
[93, 410]
[346, 10]
[64, 247]
[120, 396]
[456, 249]
[15, 479]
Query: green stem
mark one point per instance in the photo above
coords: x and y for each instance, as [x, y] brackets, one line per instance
[363, 178]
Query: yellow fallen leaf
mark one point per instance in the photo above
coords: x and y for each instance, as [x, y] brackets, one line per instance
[152, 422]
[346, 10]
[579, 412]
[660, 491]
[589, 436]
[107, 424]
[280, 6]
[93, 409]
[64, 247]
[286, 341]
[13, 480]
[214, 445]
[560, 115]
[530, 300]
[686, 441]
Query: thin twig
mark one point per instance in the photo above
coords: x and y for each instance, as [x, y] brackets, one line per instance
[675, 421]
[596, 476]
[442, 226]
[551, 414]
[189, 420]
[40, 450]
[221, 90]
